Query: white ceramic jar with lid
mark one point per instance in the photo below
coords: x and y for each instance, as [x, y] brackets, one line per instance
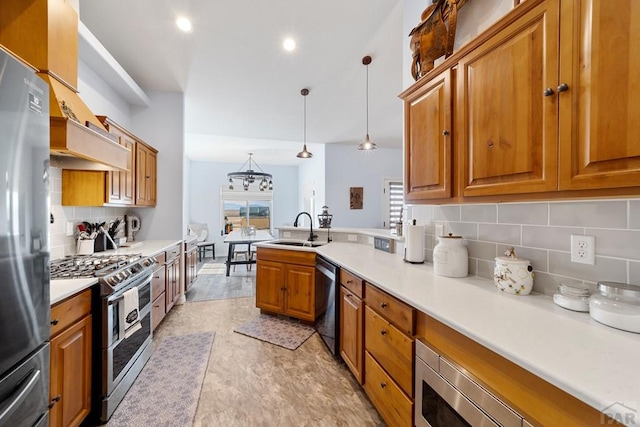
[450, 257]
[617, 305]
[512, 275]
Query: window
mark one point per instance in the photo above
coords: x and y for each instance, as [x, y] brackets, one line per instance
[393, 199]
[244, 208]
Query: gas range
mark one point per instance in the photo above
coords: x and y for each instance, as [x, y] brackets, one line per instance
[113, 271]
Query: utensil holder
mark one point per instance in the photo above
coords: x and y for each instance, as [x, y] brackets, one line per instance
[100, 243]
[85, 247]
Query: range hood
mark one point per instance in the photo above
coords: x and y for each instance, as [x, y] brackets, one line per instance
[44, 33]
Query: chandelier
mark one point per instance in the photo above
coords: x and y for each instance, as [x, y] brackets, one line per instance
[250, 176]
[367, 144]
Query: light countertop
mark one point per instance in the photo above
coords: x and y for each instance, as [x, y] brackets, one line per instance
[64, 288]
[593, 362]
[374, 232]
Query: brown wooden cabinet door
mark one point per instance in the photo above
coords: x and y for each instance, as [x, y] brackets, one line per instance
[300, 291]
[428, 139]
[506, 127]
[270, 286]
[172, 288]
[351, 350]
[599, 112]
[146, 165]
[120, 185]
[71, 374]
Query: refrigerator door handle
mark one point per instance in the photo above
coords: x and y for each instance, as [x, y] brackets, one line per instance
[8, 407]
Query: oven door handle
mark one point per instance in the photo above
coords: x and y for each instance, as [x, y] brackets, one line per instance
[120, 295]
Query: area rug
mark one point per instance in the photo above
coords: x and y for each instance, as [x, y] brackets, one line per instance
[167, 390]
[285, 333]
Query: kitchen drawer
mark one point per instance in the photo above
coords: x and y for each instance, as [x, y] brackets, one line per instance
[158, 282]
[403, 316]
[157, 311]
[351, 282]
[173, 252]
[396, 408]
[69, 311]
[391, 348]
[160, 258]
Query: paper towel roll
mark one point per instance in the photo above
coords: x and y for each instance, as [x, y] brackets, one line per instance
[414, 244]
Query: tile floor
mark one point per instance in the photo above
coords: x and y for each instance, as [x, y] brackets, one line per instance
[252, 383]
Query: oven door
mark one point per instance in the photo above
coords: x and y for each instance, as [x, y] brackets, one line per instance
[113, 304]
[439, 404]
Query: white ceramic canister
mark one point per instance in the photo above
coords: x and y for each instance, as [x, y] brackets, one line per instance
[512, 275]
[617, 305]
[450, 257]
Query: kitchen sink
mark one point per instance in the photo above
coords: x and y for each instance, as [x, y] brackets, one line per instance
[298, 243]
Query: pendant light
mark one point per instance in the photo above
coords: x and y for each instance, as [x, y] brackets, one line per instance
[367, 144]
[304, 154]
[249, 176]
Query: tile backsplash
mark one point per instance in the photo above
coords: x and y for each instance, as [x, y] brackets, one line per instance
[62, 245]
[541, 232]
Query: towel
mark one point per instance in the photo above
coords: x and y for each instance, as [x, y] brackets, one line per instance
[130, 314]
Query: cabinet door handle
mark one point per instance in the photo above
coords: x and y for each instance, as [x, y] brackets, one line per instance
[54, 401]
[563, 87]
[445, 132]
[548, 92]
[55, 321]
[383, 385]
[156, 277]
[383, 332]
[383, 305]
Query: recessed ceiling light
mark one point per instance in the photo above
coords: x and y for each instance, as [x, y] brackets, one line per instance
[184, 24]
[289, 44]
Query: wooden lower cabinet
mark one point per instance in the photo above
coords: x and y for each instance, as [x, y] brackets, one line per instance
[389, 327]
[351, 327]
[158, 306]
[285, 283]
[393, 405]
[71, 356]
[173, 275]
[190, 264]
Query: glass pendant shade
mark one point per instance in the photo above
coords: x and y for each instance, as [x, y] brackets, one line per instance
[305, 154]
[367, 144]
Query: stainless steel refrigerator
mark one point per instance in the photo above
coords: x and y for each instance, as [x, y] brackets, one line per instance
[24, 247]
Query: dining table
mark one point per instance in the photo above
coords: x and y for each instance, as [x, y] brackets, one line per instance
[244, 237]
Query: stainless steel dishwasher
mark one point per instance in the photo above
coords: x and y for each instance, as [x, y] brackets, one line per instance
[328, 323]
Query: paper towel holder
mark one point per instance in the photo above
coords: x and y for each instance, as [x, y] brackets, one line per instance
[406, 241]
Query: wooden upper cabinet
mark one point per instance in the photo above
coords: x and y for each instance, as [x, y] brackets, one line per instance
[51, 43]
[146, 164]
[120, 185]
[599, 112]
[428, 139]
[506, 127]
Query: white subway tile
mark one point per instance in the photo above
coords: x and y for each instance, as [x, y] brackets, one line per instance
[596, 213]
[446, 213]
[634, 214]
[634, 273]
[616, 243]
[479, 213]
[468, 230]
[537, 257]
[481, 250]
[500, 233]
[523, 213]
[485, 269]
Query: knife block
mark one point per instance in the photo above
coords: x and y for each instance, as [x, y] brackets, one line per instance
[100, 243]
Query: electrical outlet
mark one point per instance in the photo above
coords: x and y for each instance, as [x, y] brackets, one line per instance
[352, 237]
[286, 234]
[583, 249]
[69, 228]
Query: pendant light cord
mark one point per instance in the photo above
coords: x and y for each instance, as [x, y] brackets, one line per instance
[367, 98]
[305, 123]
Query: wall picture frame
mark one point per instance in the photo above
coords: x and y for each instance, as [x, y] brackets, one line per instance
[356, 197]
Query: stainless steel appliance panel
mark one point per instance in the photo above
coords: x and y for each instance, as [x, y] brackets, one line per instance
[24, 246]
[328, 323]
[24, 392]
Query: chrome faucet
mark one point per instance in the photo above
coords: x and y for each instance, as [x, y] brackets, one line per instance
[312, 236]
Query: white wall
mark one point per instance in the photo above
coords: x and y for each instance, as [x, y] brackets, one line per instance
[161, 125]
[205, 181]
[346, 167]
[101, 99]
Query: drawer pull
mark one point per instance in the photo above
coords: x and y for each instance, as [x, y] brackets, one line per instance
[383, 385]
[349, 295]
[55, 322]
[383, 332]
[383, 305]
[349, 281]
[156, 277]
[54, 401]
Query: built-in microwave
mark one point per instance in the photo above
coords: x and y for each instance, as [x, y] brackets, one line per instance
[447, 397]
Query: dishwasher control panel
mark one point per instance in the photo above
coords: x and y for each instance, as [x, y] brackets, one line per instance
[384, 244]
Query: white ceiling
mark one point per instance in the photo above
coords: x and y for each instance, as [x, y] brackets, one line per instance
[242, 90]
